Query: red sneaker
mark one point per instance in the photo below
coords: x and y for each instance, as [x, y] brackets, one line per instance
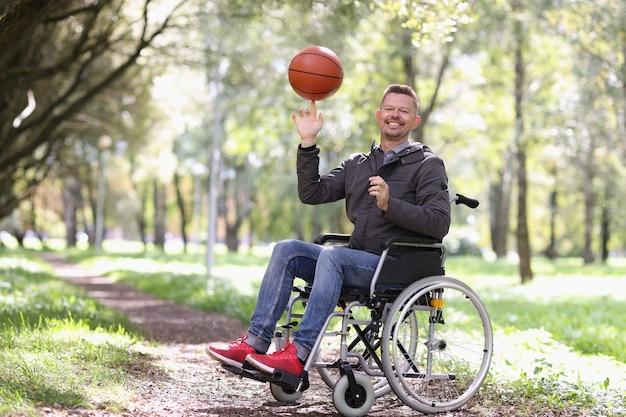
[285, 360]
[234, 355]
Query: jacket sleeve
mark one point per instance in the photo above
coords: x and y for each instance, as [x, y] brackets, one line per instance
[313, 188]
[431, 213]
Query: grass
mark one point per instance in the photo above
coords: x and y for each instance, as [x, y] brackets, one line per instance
[57, 346]
[559, 341]
[579, 305]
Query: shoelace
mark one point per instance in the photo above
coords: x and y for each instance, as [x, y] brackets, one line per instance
[238, 341]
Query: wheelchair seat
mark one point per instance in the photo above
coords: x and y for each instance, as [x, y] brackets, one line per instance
[393, 274]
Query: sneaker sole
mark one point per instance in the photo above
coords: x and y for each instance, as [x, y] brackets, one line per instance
[222, 359]
[260, 366]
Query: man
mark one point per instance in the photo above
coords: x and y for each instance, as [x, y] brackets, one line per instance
[398, 189]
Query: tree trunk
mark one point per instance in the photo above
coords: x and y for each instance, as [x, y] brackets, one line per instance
[523, 242]
[141, 215]
[235, 205]
[232, 240]
[71, 203]
[606, 233]
[91, 187]
[159, 214]
[590, 202]
[551, 249]
[180, 202]
[141, 191]
[500, 206]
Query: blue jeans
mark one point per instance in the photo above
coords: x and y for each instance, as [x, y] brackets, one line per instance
[327, 268]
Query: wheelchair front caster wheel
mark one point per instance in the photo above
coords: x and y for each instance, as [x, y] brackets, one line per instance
[350, 402]
[284, 395]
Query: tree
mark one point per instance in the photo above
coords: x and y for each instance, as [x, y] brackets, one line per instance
[72, 53]
[259, 91]
[593, 134]
[18, 17]
[520, 47]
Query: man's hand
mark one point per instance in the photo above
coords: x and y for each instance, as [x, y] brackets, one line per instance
[379, 189]
[309, 124]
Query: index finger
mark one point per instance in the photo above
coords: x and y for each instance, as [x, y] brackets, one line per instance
[313, 107]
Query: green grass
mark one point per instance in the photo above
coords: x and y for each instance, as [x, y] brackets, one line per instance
[558, 340]
[57, 346]
[579, 305]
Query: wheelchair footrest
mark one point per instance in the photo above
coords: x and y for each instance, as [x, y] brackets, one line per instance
[278, 377]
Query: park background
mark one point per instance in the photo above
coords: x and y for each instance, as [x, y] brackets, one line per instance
[158, 128]
[133, 105]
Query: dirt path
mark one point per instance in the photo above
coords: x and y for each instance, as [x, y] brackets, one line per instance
[160, 320]
[182, 380]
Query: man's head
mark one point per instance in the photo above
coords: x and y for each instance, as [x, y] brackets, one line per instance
[403, 89]
[398, 114]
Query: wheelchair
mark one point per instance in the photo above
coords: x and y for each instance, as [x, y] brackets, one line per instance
[416, 332]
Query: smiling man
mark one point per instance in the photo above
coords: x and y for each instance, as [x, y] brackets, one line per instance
[399, 188]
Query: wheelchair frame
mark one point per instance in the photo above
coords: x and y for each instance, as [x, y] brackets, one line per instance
[429, 341]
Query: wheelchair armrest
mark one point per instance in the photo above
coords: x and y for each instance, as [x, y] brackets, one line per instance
[332, 238]
[411, 241]
[394, 240]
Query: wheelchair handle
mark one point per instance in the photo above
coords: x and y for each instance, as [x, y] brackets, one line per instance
[461, 199]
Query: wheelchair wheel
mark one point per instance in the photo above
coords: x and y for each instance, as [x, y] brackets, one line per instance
[284, 395]
[332, 375]
[452, 344]
[357, 402]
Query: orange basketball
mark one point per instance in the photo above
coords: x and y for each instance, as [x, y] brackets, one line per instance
[315, 73]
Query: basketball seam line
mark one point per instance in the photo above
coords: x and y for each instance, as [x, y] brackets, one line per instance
[315, 73]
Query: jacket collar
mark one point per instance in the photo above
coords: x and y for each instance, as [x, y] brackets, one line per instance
[413, 147]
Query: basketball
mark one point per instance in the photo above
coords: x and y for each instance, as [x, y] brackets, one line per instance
[315, 73]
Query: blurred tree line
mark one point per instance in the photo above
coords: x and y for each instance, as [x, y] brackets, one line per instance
[110, 109]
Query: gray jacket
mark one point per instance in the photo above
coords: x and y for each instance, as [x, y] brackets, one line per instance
[418, 188]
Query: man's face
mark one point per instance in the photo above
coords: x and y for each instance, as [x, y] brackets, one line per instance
[397, 117]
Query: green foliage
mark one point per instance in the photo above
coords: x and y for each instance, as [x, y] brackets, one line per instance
[573, 104]
[430, 19]
[58, 347]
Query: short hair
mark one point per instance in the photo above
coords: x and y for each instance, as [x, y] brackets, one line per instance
[403, 89]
